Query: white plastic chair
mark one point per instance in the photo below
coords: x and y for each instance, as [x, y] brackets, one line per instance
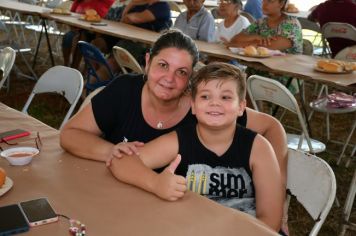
[62, 80]
[7, 60]
[265, 89]
[126, 60]
[312, 181]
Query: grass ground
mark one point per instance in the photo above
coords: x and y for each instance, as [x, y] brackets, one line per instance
[51, 108]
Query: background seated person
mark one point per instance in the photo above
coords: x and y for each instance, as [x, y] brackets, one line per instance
[70, 39]
[196, 21]
[343, 11]
[215, 157]
[254, 7]
[233, 22]
[276, 31]
[147, 14]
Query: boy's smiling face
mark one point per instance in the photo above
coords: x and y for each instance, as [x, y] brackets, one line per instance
[217, 104]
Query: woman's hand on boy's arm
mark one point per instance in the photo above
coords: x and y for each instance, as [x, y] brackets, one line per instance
[128, 148]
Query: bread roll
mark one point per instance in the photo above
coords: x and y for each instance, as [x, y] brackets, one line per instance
[262, 51]
[90, 12]
[2, 177]
[250, 51]
[57, 10]
[332, 67]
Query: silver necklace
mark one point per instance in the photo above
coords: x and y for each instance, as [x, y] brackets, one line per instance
[160, 123]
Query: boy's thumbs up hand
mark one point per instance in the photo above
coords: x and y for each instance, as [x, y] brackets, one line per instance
[169, 186]
[174, 164]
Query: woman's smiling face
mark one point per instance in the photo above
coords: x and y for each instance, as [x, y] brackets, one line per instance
[169, 72]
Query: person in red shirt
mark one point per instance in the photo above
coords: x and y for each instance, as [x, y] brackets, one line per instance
[101, 6]
[71, 38]
[335, 11]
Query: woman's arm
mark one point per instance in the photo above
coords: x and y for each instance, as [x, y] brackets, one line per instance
[244, 39]
[81, 137]
[270, 128]
[267, 180]
[137, 17]
[137, 170]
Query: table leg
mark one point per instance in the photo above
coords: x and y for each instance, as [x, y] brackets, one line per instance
[44, 27]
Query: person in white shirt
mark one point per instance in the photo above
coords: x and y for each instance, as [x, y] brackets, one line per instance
[233, 22]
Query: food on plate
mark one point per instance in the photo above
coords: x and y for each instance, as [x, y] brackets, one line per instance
[91, 15]
[2, 177]
[262, 51]
[250, 51]
[291, 8]
[336, 66]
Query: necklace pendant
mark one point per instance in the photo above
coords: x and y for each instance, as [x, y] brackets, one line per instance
[159, 125]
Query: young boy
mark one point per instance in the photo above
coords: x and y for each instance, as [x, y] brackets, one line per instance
[216, 158]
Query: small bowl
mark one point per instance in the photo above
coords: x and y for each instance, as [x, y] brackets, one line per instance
[19, 156]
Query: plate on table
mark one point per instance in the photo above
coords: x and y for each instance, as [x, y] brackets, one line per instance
[83, 19]
[255, 56]
[332, 72]
[61, 13]
[7, 186]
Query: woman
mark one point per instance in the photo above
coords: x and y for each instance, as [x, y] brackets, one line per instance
[130, 109]
[233, 22]
[71, 38]
[275, 31]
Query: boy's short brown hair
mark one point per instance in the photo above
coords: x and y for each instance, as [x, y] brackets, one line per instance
[220, 71]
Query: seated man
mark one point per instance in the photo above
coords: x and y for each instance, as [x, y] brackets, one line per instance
[196, 21]
[335, 11]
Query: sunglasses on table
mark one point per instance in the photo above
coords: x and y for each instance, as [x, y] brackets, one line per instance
[37, 140]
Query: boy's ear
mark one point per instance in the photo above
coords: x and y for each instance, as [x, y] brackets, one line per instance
[192, 104]
[242, 107]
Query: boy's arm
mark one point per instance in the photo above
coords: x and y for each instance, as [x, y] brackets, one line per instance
[136, 170]
[268, 183]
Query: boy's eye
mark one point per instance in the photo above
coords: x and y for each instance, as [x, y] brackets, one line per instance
[205, 97]
[226, 97]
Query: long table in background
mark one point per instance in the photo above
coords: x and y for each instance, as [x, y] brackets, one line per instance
[298, 66]
[85, 190]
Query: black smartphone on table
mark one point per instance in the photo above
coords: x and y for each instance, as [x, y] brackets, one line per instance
[38, 212]
[12, 220]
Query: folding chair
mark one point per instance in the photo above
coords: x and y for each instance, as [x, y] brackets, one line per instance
[7, 60]
[337, 30]
[265, 89]
[350, 200]
[126, 61]
[250, 17]
[7, 41]
[93, 58]
[312, 181]
[308, 48]
[89, 97]
[61, 80]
